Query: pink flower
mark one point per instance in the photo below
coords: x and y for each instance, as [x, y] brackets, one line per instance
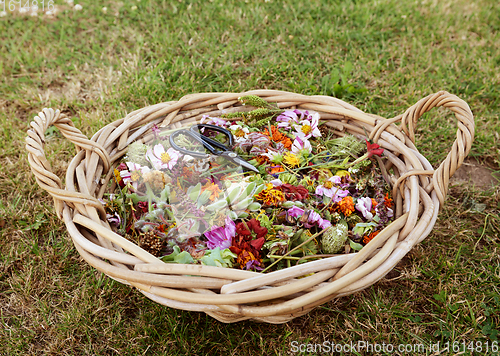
[133, 174]
[364, 205]
[289, 117]
[309, 127]
[300, 144]
[214, 121]
[221, 237]
[330, 189]
[156, 131]
[160, 159]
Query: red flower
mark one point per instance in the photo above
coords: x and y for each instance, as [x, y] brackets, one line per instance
[293, 192]
[253, 225]
[246, 246]
[373, 149]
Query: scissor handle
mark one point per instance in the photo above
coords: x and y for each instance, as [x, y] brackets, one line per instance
[213, 146]
[197, 129]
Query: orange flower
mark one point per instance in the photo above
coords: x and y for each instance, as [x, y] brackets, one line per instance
[276, 169]
[212, 188]
[278, 137]
[346, 206]
[270, 196]
[262, 159]
[246, 256]
[370, 237]
[374, 203]
[387, 201]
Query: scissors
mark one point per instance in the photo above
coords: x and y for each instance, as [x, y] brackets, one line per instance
[215, 147]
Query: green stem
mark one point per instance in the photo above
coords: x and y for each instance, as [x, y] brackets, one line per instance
[286, 258]
[360, 159]
[296, 248]
[213, 172]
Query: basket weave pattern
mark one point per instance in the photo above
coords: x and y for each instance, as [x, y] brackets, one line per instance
[231, 295]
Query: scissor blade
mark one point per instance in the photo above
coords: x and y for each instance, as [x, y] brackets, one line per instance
[245, 164]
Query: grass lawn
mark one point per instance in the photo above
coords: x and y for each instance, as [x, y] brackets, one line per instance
[97, 65]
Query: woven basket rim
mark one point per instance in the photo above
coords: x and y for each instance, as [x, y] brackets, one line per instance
[231, 295]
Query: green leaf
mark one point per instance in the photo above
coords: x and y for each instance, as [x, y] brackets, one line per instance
[178, 257]
[355, 246]
[218, 258]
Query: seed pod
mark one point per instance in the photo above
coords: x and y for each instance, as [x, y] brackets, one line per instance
[288, 204]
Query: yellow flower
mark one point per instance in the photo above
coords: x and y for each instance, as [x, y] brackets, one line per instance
[342, 173]
[291, 159]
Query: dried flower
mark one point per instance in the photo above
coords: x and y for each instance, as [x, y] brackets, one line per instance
[388, 201]
[364, 205]
[156, 180]
[270, 196]
[368, 238]
[346, 206]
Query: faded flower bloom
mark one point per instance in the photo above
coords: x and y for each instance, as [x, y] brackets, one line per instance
[213, 121]
[364, 206]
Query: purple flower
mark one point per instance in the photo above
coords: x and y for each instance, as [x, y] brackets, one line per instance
[276, 182]
[331, 191]
[364, 205]
[253, 264]
[221, 237]
[315, 218]
[295, 211]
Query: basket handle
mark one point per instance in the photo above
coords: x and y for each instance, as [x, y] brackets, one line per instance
[462, 145]
[40, 166]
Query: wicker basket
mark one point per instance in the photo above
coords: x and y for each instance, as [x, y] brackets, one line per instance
[231, 295]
